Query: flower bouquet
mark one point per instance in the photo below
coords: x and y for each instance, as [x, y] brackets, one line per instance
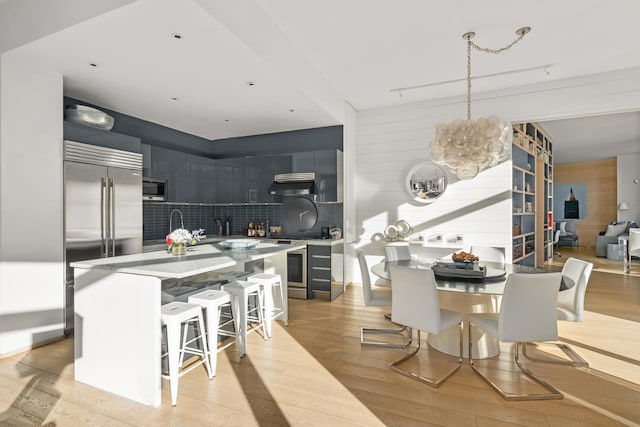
[180, 238]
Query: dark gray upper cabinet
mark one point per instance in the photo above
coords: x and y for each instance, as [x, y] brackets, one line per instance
[103, 138]
[172, 166]
[302, 162]
[259, 179]
[200, 179]
[146, 160]
[239, 184]
[328, 170]
[224, 180]
[282, 164]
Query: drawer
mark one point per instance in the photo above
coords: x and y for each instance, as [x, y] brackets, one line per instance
[318, 250]
[320, 273]
[320, 285]
[317, 260]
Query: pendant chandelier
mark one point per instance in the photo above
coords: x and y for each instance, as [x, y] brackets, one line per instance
[469, 146]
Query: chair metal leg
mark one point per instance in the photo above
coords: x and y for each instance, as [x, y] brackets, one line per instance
[394, 366]
[576, 359]
[405, 344]
[555, 393]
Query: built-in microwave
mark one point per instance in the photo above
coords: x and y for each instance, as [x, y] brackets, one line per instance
[154, 190]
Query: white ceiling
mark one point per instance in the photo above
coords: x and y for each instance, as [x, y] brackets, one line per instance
[307, 57]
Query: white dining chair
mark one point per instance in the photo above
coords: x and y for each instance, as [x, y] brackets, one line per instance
[378, 298]
[570, 307]
[556, 239]
[527, 314]
[489, 254]
[397, 252]
[415, 304]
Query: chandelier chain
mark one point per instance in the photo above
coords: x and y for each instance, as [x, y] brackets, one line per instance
[521, 33]
[469, 43]
[497, 51]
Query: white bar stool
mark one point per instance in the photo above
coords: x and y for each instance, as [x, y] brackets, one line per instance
[243, 314]
[269, 281]
[175, 316]
[213, 301]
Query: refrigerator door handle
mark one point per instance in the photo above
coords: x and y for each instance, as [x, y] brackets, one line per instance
[104, 226]
[112, 216]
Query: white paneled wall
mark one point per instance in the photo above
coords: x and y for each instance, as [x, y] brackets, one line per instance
[391, 140]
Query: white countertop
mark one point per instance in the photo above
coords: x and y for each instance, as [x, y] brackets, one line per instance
[156, 245]
[325, 242]
[200, 258]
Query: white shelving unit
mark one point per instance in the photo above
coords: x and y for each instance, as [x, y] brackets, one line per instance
[532, 195]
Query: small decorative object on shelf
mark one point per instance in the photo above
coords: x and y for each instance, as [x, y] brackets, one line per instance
[392, 233]
[516, 229]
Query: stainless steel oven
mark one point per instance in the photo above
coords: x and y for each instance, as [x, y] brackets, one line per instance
[297, 274]
[296, 268]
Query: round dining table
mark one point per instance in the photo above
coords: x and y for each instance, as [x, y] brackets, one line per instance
[464, 295]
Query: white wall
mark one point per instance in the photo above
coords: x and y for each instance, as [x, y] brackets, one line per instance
[31, 248]
[349, 212]
[31, 245]
[391, 140]
[628, 170]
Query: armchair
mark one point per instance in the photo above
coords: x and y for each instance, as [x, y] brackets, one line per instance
[567, 229]
[611, 234]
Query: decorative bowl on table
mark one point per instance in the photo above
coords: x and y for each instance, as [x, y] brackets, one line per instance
[463, 257]
[239, 243]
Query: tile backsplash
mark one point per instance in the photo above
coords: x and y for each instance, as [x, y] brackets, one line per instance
[156, 218]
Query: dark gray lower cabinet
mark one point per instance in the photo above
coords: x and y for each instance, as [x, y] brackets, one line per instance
[325, 271]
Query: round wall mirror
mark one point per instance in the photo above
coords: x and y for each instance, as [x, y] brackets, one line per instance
[426, 182]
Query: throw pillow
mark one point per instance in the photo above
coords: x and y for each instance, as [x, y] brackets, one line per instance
[615, 230]
[563, 226]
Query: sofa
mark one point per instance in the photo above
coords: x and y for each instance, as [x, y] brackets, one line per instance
[609, 236]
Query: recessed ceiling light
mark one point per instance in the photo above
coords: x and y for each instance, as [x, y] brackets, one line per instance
[250, 83]
[173, 98]
[93, 64]
[226, 120]
[291, 111]
[177, 36]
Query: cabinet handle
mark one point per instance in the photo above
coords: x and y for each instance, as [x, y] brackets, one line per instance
[321, 268]
[321, 256]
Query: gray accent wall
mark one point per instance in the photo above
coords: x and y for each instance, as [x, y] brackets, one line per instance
[274, 143]
[279, 143]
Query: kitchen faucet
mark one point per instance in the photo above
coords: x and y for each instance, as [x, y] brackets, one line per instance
[171, 218]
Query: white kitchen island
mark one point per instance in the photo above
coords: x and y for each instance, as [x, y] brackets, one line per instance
[117, 311]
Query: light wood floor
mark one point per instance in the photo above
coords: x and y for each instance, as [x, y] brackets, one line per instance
[314, 372]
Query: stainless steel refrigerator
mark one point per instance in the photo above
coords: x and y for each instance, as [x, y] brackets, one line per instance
[102, 208]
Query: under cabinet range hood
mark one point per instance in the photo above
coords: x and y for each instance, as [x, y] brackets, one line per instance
[293, 184]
